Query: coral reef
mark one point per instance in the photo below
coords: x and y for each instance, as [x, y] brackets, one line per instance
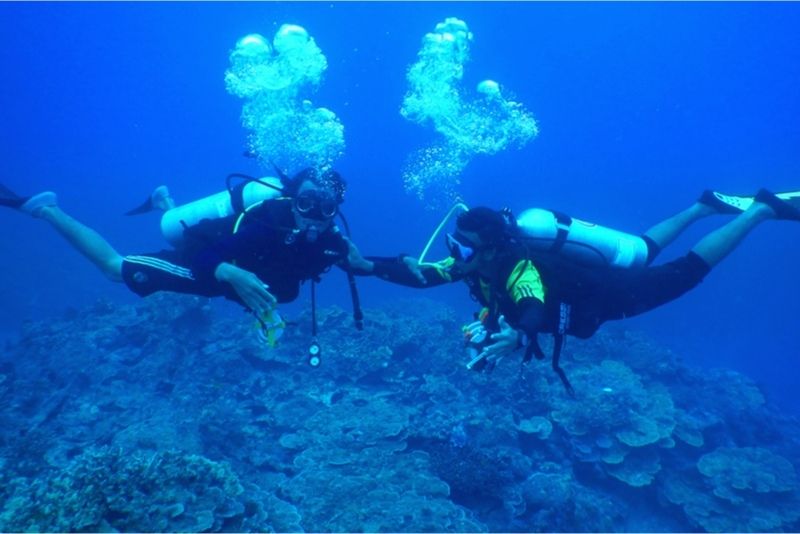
[164, 416]
[741, 489]
[104, 489]
[624, 425]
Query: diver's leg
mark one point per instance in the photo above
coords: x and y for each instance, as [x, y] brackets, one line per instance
[85, 240]
[714, 247]
[665, 232]
[630, 292]
[709, 203]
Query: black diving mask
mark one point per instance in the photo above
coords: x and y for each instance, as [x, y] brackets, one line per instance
[316, 205]
[461, 250]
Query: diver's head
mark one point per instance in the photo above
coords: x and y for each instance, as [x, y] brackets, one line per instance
[480, 235]
[315, 198]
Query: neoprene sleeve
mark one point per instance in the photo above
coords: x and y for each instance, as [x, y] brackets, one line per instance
[394, 270]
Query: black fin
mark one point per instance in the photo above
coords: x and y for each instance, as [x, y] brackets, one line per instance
[786, 208]
[792, 197]
[146, 207]
[9, 198]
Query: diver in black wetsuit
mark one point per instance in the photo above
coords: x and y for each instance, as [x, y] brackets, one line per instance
[258, 260]
[526, 292]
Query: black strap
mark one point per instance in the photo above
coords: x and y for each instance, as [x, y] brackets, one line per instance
[314, 349]
[358, 315]
[534, 349]
[237, 197]
[563, 222]
[558, 342]
[237, 192]
[314, 309]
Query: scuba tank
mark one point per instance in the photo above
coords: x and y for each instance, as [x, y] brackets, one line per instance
[217, 206]
[582, 241]
[555, 232]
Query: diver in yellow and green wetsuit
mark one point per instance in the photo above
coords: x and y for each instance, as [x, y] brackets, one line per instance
[527, 289]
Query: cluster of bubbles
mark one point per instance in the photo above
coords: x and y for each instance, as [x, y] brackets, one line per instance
[284, 128]
[485, 124]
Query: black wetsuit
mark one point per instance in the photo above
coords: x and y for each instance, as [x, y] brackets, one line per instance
[541, 293]
[266, 243]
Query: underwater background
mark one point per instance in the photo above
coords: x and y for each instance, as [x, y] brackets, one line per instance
[170, 405]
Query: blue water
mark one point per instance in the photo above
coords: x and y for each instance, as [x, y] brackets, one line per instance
[640, 108]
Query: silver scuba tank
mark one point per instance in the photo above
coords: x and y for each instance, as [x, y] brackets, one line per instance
[216, 206]
[580, 240]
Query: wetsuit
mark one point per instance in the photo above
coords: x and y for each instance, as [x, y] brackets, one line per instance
[265, 243]
[542, 293]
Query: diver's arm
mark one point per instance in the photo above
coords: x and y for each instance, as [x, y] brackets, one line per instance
[406, 271]
[214, 264]
[251, 290]
[403, 269]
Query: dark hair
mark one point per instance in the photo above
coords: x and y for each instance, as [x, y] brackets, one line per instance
[328, 179]
[490, 225]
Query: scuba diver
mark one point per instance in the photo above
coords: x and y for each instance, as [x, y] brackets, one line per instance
[254, 253]
[547, 273]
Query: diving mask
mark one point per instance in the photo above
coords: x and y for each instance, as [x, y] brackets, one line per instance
[459, 250]
[315, 204]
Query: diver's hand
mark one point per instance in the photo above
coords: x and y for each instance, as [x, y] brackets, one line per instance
[248, 286]
[413, 266]
[505, 342]
[356, 260]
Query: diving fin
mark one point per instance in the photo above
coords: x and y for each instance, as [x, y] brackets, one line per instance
[725, 203]
[785, 205]
[9, 198]
[30, 205]
[146, 207]
[159, 200]
[733, 204]
[792, 197]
